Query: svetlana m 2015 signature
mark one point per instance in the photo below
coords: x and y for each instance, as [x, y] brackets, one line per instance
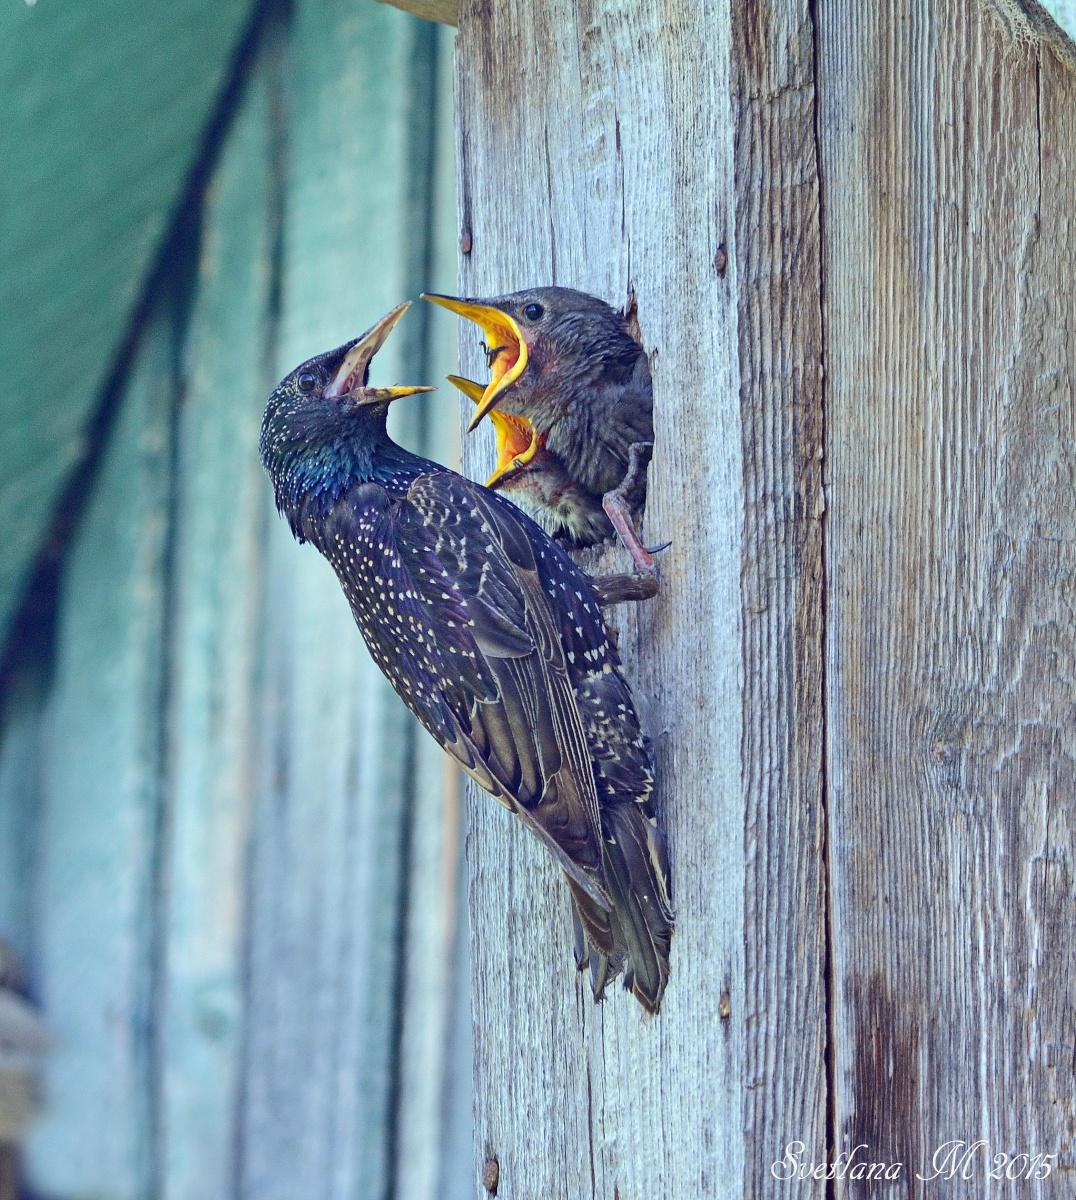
[956, 1159]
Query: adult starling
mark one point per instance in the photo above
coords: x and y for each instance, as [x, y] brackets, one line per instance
[493, 638]
[567, 364]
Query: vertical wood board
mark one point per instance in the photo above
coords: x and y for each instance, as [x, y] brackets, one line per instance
[338, 972]
[104, 110]
[95, 904]
[213, 744]
[949, 168]
[433, 1155]
[594, 153]
[778, 265]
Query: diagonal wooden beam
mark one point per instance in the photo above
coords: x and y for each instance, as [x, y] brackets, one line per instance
[445, 11]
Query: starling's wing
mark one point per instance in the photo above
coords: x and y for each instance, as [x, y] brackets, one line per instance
[487, 638]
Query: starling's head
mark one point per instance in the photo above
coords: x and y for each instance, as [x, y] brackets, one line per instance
[517, 440]
[323, 418]
[544, 342]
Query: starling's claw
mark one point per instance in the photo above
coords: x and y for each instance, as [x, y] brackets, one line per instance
[657, 549]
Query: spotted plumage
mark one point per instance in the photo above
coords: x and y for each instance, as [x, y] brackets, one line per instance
[493, 638]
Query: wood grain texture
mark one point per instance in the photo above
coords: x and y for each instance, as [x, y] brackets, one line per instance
[99, 133]
[778, 264]
[875, 271]
[949, 168]
[594, 153]
[1051, 23]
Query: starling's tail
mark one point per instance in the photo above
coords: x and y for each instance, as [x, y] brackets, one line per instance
[597, 940]
[637, 878]
[635, 936]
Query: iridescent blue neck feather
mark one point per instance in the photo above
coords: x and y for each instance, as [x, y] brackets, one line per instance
[314, 456]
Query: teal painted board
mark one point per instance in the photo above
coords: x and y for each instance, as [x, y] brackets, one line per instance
[20, 758]
[104, 107]
[212, 718]
[433, 971]
[95, 891]
[339, 835]
[241, 892]
[455, 1134]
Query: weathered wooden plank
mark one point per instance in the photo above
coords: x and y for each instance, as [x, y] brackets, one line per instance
[343, 956]
[445, 11]
[106, 105]
[95, 918]
[595, 152]
[1051, 21]
[778, 267]
[949, 196]
[212, 697]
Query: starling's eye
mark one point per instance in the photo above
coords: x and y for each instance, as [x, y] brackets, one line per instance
[307, 381]
[534, 312]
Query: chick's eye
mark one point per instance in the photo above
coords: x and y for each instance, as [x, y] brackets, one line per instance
[534, 312]
[307, 381]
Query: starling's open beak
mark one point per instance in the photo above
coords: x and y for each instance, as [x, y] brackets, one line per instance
[506, 348]
[517, 443]
[352, 372]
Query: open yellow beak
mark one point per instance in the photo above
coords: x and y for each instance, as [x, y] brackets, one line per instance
[506, 347]
[517, 443]
[352, 370]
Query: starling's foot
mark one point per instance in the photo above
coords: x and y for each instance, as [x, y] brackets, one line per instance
[618, 508]
[630, 489]
[618, 589]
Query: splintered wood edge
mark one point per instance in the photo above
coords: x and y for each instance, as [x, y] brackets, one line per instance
[1025, 21]
[1028, 22]
[445, 11]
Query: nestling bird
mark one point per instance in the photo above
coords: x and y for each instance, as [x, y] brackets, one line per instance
[537, 480]
[567, 364]
[493, 638]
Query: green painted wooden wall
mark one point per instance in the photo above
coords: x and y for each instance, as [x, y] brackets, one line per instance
[105, 109]
[228, 859]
